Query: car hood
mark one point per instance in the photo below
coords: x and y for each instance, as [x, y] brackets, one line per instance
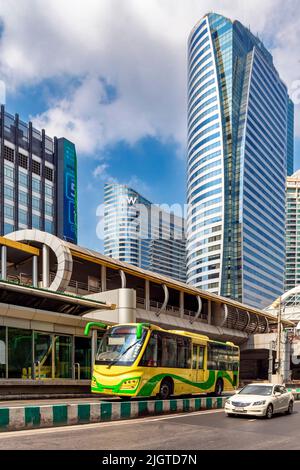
[249, 398]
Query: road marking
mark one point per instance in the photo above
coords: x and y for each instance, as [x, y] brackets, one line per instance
[78, 427]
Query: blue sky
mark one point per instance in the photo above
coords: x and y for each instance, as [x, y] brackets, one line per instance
[116, 85]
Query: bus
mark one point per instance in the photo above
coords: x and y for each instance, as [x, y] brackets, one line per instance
[144, 360]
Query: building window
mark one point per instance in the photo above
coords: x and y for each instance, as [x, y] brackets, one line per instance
[9, 154]
[48, 173]
[36, 221]
[8, 228]
[48, 209]
[23, 217]
[23, 198]
[48, 190]
[9, 211]
[36, 203]
[9, 192]
[48, 226]
[23, 161]
[8, 172]
[36, 167]
[36, 185]
[23, 179]
[19, 353]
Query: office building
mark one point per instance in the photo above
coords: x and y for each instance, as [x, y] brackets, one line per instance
[292, 267]
[142, 234]
[38, 178]
[240, 149]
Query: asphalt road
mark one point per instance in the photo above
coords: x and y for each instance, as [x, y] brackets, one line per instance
[191, 431]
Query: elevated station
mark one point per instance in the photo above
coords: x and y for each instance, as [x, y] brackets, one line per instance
[50, 289]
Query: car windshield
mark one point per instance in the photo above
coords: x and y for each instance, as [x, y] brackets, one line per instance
[257, 390]
[119, 345]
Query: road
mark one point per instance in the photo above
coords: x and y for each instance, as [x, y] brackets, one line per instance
[189, 431]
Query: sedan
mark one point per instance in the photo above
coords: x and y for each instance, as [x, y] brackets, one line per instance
[260, 399]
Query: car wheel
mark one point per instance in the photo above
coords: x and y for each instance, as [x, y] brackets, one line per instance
[290, 409]
[269, 412]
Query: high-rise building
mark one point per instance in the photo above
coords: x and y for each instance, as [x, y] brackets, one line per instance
[141, 233]
[240, 145]
[292, 267]
[38, 180]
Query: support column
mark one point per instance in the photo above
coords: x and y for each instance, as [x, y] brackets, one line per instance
[127, 305]
[209, 312]
[147, 294]
[46, 268]
[4, 263]
[103, 278]
[35, 271]
[181, 304]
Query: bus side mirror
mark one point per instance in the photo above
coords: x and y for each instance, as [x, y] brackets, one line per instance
[139, 329]
[90, 325]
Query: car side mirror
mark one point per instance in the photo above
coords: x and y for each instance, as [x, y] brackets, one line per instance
[277, 394]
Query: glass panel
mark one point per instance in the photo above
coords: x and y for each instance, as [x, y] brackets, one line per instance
[43, 354]
[2, 352]
[63, 357]
[19, 353]
[83, 355]
[194, 366]
[201, 357]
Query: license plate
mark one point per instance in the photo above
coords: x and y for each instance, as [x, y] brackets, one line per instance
[239, 410]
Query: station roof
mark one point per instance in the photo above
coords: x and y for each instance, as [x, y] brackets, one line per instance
[48, 300]
[98, 258]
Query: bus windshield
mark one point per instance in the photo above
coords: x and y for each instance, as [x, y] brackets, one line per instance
[119, 346]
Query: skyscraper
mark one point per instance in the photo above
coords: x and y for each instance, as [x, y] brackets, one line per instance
[292, 271]
[38, 180]
[240, 144]
[141, 233]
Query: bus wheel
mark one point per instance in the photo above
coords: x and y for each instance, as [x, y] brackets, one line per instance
[219, 388]
[165, 389]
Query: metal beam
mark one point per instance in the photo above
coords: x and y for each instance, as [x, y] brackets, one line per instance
[166, 300]
[19, 246]
[198, 311]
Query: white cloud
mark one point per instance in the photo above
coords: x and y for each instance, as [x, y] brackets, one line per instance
[137, 46]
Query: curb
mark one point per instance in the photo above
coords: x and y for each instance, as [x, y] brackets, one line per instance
[44, 416]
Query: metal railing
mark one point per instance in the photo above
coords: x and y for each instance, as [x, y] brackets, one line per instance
[170, 310]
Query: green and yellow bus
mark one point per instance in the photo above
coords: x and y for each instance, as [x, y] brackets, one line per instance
[143, 360]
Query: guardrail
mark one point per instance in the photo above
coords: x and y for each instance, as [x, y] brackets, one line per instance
[28, 417]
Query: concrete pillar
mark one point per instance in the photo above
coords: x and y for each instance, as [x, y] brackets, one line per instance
[4, 263]
[35, 271]
[127, 306]
[46, 267]
[147, 294]
[181, 304]
[209, 312]
[103, 278]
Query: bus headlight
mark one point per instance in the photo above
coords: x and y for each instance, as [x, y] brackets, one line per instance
[130, 384]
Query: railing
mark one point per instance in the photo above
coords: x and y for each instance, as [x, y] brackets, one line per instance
[170, 310]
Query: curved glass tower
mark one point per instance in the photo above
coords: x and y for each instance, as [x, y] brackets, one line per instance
[239, 142]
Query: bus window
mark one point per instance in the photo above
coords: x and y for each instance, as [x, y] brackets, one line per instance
[194, 356]
[183, 353]
[149, 358]
[201, 357]
[169, 351]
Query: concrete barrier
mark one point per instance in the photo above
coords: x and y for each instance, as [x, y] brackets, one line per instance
[29, 417]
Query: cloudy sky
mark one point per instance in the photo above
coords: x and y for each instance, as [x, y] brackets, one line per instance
[110, 75]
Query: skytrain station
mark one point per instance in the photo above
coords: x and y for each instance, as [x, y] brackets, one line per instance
[50, 289]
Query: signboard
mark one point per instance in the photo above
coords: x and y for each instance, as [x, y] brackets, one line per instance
[70, 192]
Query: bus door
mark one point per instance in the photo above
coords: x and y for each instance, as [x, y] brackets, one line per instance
[198, 363]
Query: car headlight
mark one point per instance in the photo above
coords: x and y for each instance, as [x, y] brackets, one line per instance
[258, 403]
[227, 402]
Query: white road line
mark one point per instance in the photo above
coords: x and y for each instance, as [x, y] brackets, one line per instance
[78, 427]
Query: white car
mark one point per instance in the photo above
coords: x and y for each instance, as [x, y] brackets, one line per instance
[260, 399]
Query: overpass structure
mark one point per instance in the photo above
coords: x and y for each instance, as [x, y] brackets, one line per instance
[50, 289]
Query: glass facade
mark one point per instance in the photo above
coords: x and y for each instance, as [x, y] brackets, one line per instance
[248, 157]
[292, 267]
[140, 233]
[29, 354]
[32, 195]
